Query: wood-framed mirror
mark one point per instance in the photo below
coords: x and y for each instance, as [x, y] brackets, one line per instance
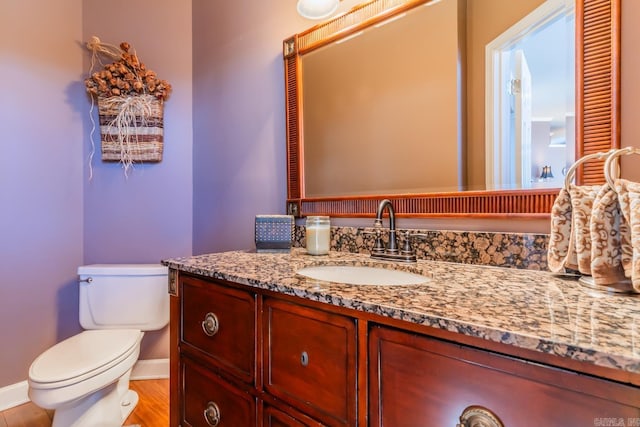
[597, 82]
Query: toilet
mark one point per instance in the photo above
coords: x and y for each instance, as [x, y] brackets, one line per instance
[85, 378]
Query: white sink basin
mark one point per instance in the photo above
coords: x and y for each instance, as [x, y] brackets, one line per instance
[362, 275]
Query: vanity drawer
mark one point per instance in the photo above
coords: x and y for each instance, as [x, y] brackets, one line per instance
[221, 323]
[310, 360]
[415, 380]
[210, 401]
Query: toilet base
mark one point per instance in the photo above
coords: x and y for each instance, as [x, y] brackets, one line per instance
[107, 407]
[128, 404]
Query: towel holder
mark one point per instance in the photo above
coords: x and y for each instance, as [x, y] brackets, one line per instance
[594, 156]
[608, 164]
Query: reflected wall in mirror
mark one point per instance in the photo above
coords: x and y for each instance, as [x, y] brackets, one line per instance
[333, 185]
[374, 125]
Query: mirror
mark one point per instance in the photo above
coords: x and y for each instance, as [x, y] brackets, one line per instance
[411, 199]
[374, 125]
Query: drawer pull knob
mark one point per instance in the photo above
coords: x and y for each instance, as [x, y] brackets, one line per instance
[478, 416]
[304, 358]
[212, 414]
[210, 324]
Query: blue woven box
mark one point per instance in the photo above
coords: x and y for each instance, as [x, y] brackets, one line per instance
[274, 233]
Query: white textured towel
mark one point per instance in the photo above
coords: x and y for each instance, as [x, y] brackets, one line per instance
[561, 254]
[606, 246]
[582, 198]
[629, 199]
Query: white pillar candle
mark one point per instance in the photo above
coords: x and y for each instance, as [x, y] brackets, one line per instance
[318, 235]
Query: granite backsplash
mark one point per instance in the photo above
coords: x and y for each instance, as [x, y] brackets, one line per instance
[512, 250]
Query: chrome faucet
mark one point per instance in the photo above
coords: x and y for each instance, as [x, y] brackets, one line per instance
[391, 252]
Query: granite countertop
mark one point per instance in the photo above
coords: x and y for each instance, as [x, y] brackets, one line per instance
[529, 309]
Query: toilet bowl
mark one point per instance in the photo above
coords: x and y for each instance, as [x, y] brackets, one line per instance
[74, 374]
[85, 378]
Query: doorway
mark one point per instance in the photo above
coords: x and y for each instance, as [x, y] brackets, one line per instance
[530, 92]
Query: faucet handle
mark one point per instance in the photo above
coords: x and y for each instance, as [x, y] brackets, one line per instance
[407, 249]
[378, 247]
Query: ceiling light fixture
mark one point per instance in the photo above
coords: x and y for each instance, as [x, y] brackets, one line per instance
[317, 9]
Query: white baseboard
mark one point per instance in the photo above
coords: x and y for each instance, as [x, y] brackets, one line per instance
[16, 394]
[13, 395]
[150, 369]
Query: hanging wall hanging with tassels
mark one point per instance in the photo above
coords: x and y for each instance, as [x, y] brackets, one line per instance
[130, 101]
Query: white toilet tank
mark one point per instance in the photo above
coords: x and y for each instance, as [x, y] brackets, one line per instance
[124, 296]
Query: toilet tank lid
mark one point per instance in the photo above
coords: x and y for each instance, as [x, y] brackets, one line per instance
[123, 269]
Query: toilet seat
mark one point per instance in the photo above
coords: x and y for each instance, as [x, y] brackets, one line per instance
[82, 356]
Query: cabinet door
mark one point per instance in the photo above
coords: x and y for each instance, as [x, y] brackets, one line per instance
[220, 322]
[310, 361]
[418, 381]
[209, 401]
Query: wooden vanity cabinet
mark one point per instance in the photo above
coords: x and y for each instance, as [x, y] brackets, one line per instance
[245, 357]
[310, 360]
[216, 330]
[421, 381]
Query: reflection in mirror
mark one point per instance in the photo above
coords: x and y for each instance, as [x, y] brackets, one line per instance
[530, 115]
[384, 109]
[445, 95]
[381, 109]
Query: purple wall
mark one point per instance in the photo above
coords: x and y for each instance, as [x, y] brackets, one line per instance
[52, 219]
[146, 216]
[239, 167]
[40, 179]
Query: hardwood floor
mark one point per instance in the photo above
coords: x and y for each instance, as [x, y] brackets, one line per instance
[152, 409]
